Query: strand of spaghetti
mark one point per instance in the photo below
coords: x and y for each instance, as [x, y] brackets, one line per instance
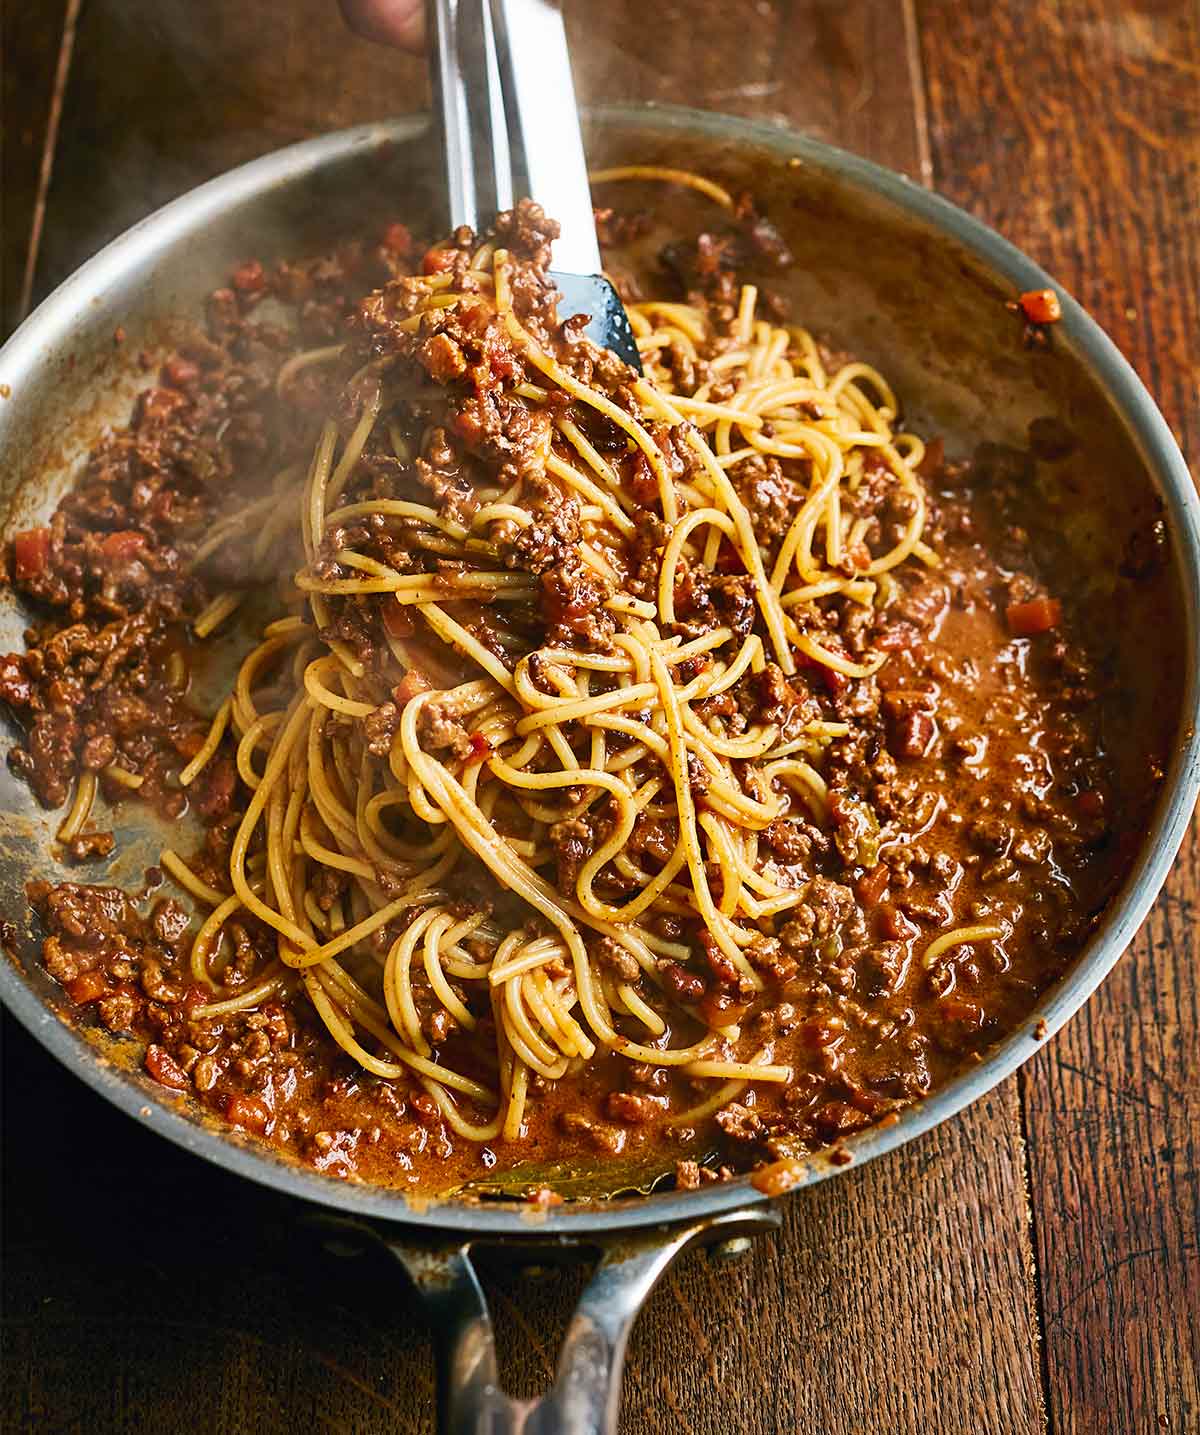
[437, 980]
[637, 1007]
[208, 748]
[812, 649]
[744, 1069]
[555, 997]
[397, 982]
[457, 637]
[534, 1051]
[478, 834]
[343, 1033]
[287, 372]
[319, 852]
[630, 697]
[326, 697]
[396, 508]
[80, 808]
[123, 777]
[280, 750]
[607, 504]
[204, 938]
[246, 1000]
[674, 550]
[596, 461]
[768, 598]
[961, 936]
[537, 999]
[669, 176]
[171, 862]
[687, 823]
[221, 607]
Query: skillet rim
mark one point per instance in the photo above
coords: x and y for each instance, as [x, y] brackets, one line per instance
[1159, 455]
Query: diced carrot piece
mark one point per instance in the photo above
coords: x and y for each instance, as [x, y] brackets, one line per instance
[1041, 306]
[438, 261]
[411, 685]
[872, 885]
[396, 619]
[121, 547]
[163, 1067]
[87, 987]
[249, 278]
[247, 1112]
[1039, 615]
[955, 1009]
[31, 552]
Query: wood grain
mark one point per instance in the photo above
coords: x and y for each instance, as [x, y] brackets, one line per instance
[1075, 128]
[35, 44]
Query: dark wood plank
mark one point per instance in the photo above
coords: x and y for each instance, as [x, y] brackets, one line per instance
[35, 50]
[145, 1290]
[897, 1298]
[1089, 158]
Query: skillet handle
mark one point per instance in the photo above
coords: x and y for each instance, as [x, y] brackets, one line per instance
[585, 1396]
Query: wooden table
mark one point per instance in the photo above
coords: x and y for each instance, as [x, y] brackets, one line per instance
[1030, 1266]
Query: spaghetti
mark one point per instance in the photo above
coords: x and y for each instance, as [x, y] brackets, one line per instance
[506, 767]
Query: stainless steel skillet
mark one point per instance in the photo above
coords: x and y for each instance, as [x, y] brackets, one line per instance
[899, 277]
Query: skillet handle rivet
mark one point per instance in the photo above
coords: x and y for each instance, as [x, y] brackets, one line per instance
[731, 1250]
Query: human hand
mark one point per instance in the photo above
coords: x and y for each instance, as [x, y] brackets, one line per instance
[391, 22]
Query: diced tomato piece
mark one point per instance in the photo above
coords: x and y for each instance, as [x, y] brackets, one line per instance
[121, 547]
[466, 424]
[179, 372]
[872, 885]
[818, 1033]
[397, 619]
[1041, 306]
[438, 261]
[955, 1009]
[249, 278]
[87, 987]
[31, 552]
[1039, 615]
[898, 637]
[247, 1112]
[894, 926]
[481, 749]
[729, 560]
[779, 1177]
[718, 1008]
[411, 685]
[1091, 803]
[163, 1067]
[398, 239]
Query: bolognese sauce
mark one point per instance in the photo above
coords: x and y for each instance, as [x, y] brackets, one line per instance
[499, 821]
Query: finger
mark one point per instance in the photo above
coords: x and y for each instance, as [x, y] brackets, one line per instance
[391, 22]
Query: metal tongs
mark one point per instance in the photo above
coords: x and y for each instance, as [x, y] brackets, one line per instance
[502, 86]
